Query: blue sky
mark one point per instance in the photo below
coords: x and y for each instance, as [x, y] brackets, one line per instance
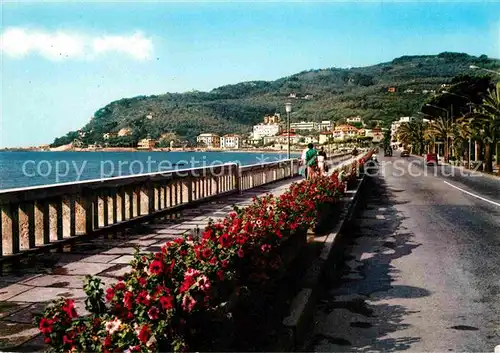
[62, 61]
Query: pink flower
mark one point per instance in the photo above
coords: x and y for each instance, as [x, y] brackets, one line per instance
[204, 283]
[113, 326]
[188, 303]
[153, 313]
[191, 273]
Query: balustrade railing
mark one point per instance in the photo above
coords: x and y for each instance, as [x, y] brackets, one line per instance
[34, 218]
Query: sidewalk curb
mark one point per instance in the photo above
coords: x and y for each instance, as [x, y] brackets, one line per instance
[488, 175]
[296, 325]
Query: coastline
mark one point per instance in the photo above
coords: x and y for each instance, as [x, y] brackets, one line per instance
[130, 149]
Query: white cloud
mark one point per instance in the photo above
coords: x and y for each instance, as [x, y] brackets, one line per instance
[18, 42]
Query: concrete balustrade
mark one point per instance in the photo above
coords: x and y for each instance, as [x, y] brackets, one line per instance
[37, 217]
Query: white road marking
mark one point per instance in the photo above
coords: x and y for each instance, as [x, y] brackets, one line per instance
[471, 194]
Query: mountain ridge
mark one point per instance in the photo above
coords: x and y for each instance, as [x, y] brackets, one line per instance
[334, 94]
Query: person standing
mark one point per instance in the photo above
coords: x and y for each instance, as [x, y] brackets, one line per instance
[311, 161]
[322, 161]
[303, 161]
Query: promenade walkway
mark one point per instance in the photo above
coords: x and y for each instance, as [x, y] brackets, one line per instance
[26, 288]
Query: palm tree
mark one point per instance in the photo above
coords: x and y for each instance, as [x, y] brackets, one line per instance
[412, 133]
[442, 128]
[462, 132]
[488, 117]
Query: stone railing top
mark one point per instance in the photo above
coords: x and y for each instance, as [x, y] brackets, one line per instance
[53, 190]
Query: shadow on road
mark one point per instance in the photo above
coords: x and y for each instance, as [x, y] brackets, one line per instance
[359, 310]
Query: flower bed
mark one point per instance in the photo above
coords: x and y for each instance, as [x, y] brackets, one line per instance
[182, 297]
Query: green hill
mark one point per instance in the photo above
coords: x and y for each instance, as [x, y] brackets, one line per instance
[334, 94]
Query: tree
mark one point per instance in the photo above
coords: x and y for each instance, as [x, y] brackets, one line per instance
[462, 132]
[488, 116]
[412, 133]
[442, 128]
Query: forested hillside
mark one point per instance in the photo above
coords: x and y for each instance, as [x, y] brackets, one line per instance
[332, 94]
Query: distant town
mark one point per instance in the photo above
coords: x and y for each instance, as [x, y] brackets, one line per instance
[271, 134]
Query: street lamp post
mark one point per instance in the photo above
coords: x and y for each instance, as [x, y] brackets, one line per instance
[288, 109]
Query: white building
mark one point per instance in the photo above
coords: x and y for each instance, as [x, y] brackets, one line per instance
[304, 126]
[230, 141]
[310, 139]
[354, 120]
[210, 140]
[375, 133]
[263, 130]
[282, 139]
[325, 136]
[325, 125]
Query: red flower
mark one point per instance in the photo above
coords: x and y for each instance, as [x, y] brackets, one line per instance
[144, 334]
[224, 263]
[167, 302]
[67, 340]
[179, 241]
[107, 341]
[69, 308]
[142, 281]
[128, 300]
[47, 340]
[120, 286]
[46, 326]
[225, 240]
[240, 253]
[206, 253]
[110, 294]
[220, 275]
[142, 298]
[156, 267]
[187, 283]
[154, 313]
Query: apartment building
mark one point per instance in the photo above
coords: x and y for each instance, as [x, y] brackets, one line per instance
[230, 141]
[209, 140]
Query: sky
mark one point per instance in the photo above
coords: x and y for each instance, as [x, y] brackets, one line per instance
[62, 61]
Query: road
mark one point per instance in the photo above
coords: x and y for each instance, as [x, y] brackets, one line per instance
[422, 269]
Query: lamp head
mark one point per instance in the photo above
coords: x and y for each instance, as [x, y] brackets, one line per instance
[288, 107]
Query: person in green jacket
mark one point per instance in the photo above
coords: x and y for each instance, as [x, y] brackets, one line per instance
[311, 161]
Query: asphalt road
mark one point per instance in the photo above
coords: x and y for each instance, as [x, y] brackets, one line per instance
[422, 270]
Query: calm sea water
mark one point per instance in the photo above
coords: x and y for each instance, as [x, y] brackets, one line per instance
[21, 169]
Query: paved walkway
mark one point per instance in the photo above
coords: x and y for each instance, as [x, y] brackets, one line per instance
[28, 288]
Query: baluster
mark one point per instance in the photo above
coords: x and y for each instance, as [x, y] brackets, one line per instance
[113, 219]
[104, 200]
[65, 222]
[26, 234]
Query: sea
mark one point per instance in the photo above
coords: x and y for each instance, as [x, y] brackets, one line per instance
[24, 169]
